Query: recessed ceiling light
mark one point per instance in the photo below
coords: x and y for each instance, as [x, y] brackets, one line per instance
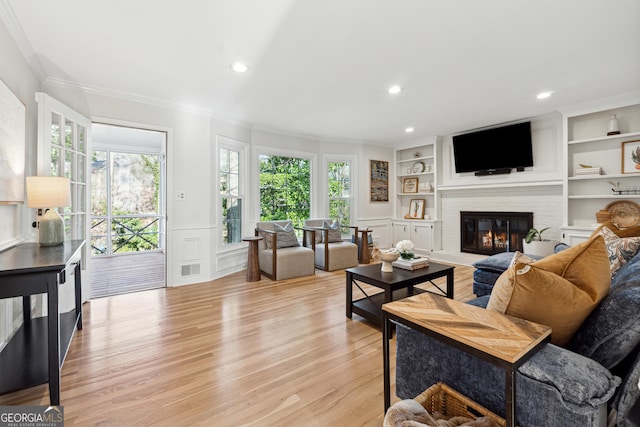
[409, 129]
[239, 67]
[395, 89]
[545, 95]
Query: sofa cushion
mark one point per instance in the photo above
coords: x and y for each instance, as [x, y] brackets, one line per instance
[559, 290]
[335, 235]
[286, 237]
[520, 257]
[586, 265]
[497, 263]
[612, 330]
[620, 249]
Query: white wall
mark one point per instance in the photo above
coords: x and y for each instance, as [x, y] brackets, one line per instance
[15, 220]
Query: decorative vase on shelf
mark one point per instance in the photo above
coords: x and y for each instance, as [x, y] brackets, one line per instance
[614, 127]
[387, 257]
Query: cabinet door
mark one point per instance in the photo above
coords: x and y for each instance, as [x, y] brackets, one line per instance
[423, 237]
[574, 236]
[400, 232]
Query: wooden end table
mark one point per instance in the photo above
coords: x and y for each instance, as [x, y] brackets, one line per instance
[503, 340]
[396, 285]
[253, 266]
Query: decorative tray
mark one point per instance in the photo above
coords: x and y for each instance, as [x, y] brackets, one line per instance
[624, 213]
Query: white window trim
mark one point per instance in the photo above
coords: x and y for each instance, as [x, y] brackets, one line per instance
[329, 158]
[243, 149]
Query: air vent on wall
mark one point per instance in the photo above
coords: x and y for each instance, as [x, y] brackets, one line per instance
[190, 269]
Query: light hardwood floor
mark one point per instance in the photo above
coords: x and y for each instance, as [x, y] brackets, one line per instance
[226, 353]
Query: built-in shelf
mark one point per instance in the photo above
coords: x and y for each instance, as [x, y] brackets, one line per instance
[416, 159]
[507, 185]
[415, 174]
[607, 176]
[605, 196]
[417, 194]
[605, 138]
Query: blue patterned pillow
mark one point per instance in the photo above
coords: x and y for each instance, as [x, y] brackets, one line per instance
[620, 249]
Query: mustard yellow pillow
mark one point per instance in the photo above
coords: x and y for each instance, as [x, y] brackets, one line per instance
[586, 265]
[558, 291]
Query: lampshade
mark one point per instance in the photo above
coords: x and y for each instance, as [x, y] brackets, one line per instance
[49, 192]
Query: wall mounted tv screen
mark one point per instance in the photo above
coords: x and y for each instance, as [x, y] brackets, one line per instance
[499, 149]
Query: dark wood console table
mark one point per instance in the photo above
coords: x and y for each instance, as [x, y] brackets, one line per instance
[35, 353]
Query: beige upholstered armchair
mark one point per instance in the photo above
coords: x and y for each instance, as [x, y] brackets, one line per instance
[280, 254]
[332, 253]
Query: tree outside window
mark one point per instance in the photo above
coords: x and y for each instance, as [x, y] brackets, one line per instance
[285, 188]
[229, 187]
[339, 177]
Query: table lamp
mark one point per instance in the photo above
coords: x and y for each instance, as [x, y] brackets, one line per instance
[49, 192]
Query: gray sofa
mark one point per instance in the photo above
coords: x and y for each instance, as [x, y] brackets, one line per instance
[594, 378]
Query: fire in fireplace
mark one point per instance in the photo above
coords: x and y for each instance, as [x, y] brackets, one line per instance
[493, 232]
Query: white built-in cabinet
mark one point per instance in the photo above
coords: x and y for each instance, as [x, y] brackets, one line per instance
[587, 143]
[416, 179]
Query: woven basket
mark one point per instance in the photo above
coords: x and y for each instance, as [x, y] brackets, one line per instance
[442, 398]
[603, 216]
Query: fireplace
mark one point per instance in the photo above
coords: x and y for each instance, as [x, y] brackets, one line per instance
[490, 233]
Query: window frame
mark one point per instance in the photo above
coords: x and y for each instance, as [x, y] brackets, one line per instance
[242, 148]
[269, 151]
[353, 165]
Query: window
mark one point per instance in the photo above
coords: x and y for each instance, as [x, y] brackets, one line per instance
[230, 197]
[125, 202]
[339, 183]
[285, 188]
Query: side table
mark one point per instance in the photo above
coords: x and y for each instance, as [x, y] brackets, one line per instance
[253, 266]
[503, 340]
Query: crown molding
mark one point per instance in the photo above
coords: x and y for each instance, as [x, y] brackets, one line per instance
[11, 22]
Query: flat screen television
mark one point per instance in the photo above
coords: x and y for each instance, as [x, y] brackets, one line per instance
[492, 151]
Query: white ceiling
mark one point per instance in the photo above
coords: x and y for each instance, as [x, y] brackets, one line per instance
[322, 67]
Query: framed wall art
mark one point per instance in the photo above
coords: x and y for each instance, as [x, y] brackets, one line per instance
[631, 157]
[12, 147]
[379, 181]
[416, 209]
[410, 185]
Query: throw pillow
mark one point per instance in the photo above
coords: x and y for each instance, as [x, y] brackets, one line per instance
[586, 265]
[520, 257]
[620, 249]
[286, 237]
[633, 231]
[335, 235]
[559, 290]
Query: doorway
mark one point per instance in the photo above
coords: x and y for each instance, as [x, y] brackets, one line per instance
[128, 219]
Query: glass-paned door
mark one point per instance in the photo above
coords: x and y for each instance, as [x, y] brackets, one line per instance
[127, 201]
[63, 146]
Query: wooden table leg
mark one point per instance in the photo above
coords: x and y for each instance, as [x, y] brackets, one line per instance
[364, 247]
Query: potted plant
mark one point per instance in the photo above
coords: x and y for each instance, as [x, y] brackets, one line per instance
[534, 244]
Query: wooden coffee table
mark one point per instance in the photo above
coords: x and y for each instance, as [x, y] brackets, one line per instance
[396, 285]
[503, 340]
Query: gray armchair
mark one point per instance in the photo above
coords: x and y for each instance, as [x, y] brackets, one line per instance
[280, 255]
[331, 251]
